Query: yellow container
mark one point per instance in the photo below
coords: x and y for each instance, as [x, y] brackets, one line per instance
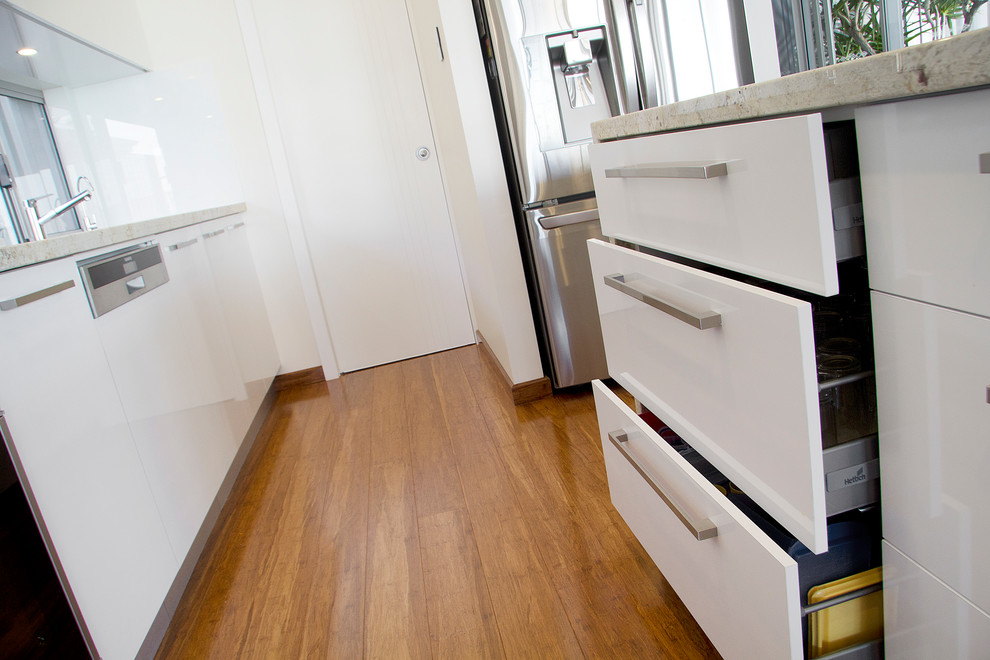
[847, 624]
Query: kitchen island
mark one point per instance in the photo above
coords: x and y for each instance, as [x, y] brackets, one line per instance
[949, 65]
[128, 423]
[28, 254]
[765, 186]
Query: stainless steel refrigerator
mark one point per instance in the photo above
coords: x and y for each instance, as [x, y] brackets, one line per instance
[554, 67]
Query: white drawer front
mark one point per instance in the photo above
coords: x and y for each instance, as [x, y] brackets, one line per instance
[768, 216]
[925, 199]
[933, 371]
[740, 587]
[924, 619]
[744, 394]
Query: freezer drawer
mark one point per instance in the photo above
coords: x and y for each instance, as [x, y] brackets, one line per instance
[738, 584]
[926, 189]
[763, 210]
[743, 391]
[933, 375]
[924, 619]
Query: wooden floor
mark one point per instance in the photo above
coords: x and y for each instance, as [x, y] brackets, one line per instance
[411, 511]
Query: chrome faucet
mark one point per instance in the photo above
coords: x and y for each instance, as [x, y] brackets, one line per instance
[38, 224]
[59, 210]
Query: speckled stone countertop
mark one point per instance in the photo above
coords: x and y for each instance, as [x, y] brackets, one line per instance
[18, 256]
[952, 64]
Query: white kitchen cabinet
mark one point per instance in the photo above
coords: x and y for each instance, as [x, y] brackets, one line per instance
[925, 619]
[738, 584]
[743, 392]
[174, 368]
[245, 315]
[933, 374]
[765, 209]
[71, 438]
[926, 192]
[730, 363]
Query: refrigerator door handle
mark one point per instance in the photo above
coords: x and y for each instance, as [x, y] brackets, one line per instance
[625, 55]
[643, 43]
[555, 222]
[652, 37]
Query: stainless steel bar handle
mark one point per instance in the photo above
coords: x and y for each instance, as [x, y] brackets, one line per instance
[701, 529]
[687, 170]
[555, 222]
[702, 321]
[182, 244]
[211, 234]
[988, 393]
[236, 225]
[985, 163]
[28, 298]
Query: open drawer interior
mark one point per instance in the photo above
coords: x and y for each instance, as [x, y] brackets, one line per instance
[838, 602]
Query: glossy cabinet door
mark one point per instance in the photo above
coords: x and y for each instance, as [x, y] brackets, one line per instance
[743, 391]
[933, 401]
[174, 369]
[764, 209]
[70, 435]
[244, 312]
[738, 584]
[925, 167]
[924, 619]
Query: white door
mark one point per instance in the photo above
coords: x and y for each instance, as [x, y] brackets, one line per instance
[359, 142]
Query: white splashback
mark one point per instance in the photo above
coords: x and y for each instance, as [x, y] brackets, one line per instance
[152, 144]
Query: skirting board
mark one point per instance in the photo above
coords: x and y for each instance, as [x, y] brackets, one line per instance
[521, 392]
[159, 626]
[304, 377]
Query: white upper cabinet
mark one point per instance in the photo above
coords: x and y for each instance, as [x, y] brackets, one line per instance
[925, 168]
[752, 197]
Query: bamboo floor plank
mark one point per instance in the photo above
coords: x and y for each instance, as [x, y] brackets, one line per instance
[394, 592]
[529, 613]
[412, 511]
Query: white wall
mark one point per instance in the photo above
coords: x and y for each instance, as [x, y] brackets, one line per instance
[167, 35]
[152, 145]
[471, 160]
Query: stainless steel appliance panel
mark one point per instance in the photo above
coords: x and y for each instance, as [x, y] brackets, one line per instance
[120, 276]
[549, 128]
[559, 238]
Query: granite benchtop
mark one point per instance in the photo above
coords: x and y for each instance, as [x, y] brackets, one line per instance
[948, 65]
[28, 254]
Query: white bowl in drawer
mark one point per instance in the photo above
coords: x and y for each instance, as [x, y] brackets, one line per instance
[729, 367]
[751, 197]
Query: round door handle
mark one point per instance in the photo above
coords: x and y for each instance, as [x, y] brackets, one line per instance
[423, 153]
